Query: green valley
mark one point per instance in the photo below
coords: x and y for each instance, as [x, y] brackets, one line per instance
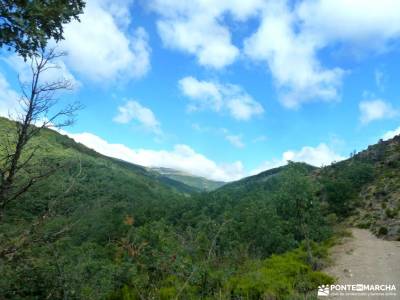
[100, 228]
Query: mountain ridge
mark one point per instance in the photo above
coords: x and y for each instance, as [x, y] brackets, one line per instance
[120, 231]
[199, 183]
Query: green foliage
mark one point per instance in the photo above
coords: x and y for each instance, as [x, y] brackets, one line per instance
[26, 26]
[342, 184]
[391, 213]
[198, 184]
[382, 231]
[278, 277]
[100, 228]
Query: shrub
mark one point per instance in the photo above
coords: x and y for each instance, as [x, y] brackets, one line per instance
[382, 231]
[279, 277]
[390, 213]
[332, 219]
[364, 225]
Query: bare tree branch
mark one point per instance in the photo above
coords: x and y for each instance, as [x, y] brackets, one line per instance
[37, 111]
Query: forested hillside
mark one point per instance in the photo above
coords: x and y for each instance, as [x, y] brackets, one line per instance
[99, 228]
[198, 184]
[378, 204]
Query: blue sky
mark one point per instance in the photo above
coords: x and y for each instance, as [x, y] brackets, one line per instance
[230, 88]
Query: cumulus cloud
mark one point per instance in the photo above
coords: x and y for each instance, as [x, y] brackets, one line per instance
[134, 111]
[120, 10]
[181, 157]
[99, 48]
[218, 97]
[290, 38]
[372, 110]
[291, 58]
[197, 27]
[362, 23]
[391, 134]
[203, 94]
[9, 99]
[317, 156]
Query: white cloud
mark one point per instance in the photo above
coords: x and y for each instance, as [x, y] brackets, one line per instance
[235, 140]
[197, 27]
[202, 37]
[372, 110]
[100, 49]
[120, 10]
[181, 157]
[391, 134]
[218, 97]
[290, 38]
[133, 110]
[317, 156]
[291, 58]
[9, 99]
[242, 106]
[204, 94]
[370, 23]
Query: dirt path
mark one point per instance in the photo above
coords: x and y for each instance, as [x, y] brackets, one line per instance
[365, 259]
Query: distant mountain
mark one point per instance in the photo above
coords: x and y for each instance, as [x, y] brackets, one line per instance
[198, 183]
[62, 147]
[137, 233]
[177, 185]
[103, 228]
[261, 183]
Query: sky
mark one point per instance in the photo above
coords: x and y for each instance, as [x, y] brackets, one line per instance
[226, 89]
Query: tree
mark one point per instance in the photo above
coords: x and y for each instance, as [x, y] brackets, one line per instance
[297, 200]
[18, 169]
[27, 25]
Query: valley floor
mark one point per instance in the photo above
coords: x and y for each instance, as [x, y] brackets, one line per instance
[366, 259]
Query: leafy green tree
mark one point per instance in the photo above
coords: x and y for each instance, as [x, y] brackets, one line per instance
[342, 184]
[27, 25]
[298, 203]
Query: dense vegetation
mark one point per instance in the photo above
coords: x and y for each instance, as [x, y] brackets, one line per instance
[379, 200]
[100, 228]
[198, 184]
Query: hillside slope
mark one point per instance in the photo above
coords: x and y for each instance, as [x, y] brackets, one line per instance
[365, 188]
[72, 226]
[101, 228]
[59, 147]
[379, 209]
[199, 184]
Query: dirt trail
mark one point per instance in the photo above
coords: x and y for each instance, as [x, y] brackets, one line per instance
[365, 259]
